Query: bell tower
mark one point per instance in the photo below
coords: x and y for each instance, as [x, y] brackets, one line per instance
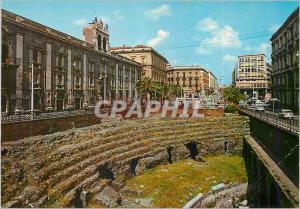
[96, 33]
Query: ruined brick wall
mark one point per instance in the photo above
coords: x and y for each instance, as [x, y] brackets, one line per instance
[18, 130]
[47, 170]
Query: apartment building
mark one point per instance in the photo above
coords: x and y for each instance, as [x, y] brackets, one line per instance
[252, 75]
[285, 62]
[192, 79]
[154, 64]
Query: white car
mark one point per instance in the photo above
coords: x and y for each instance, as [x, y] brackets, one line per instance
[286, 113]
[259, 108]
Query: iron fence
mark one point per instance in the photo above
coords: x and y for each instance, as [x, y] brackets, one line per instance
[26, 116]
[290, 124]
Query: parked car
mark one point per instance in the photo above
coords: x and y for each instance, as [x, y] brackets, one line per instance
[286, 113]
[259, 108]
[242, 104]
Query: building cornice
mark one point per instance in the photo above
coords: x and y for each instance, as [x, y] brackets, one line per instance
[136, 49]
[294, 14]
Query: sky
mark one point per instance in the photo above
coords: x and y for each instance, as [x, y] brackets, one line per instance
[207, 33]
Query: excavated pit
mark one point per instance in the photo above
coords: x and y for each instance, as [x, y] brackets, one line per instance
[46, 171]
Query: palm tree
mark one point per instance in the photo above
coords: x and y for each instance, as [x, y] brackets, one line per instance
[145, 86]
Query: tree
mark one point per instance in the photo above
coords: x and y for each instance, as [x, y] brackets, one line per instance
[233, 95]
[145, 86]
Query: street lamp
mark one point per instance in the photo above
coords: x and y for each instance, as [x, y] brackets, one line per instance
[100, 81]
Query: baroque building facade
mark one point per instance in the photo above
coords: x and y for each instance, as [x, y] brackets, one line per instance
[154, 64]
[192, 79]
[285, 62]
[67, 72]
[252, 75]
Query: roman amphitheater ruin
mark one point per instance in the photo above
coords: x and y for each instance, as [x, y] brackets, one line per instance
[60, 169]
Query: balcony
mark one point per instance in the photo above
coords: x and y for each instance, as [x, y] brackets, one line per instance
[36, 85]
[60, 86]
[59, 69]
[77, 71]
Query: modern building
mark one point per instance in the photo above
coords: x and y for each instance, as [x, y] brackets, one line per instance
[252, 75]
[212, 81]
[191, 79]
[154, 64]
[285, 62]
[66, 71]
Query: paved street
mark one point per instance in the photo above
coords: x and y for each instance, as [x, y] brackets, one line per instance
[273, 119]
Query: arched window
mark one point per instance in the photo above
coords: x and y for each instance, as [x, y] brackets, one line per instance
[104, 44]
[99, 42]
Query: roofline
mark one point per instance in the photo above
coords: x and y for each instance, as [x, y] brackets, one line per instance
[66, 39]
[129, 49]
[250, 55]
[175, 68]
[288, 19]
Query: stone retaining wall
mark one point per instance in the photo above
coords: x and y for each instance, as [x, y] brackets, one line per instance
[18, 130]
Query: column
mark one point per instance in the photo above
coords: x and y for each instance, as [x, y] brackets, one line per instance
[69, 79]
[19, 73]
[124, 82]
[105, 77]
[135, 90]
[130, 86]
[48, 76]
[84, 83]
[117, 81]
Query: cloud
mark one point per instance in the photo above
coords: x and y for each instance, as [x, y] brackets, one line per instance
[80, 22]
[263, 48]
[207, 24]
[157, 13]
[229, 58]
[160, 36]
[224, 36]
[203, 51]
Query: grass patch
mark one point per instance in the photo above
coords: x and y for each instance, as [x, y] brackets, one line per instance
[175, 184]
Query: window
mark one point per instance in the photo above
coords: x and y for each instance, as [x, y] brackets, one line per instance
[104, 44]
[77, 81]
[143, 59]
[91, 67]
[99, 42]
[91, 82]
[60, 60]
[77, 64]
[59, 79]
[35, 56]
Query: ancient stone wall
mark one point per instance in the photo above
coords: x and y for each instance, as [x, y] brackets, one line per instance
[48, 171]
[17, 130]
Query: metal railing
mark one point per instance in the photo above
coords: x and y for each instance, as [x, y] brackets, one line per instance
[26, 116]
[291, 125]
